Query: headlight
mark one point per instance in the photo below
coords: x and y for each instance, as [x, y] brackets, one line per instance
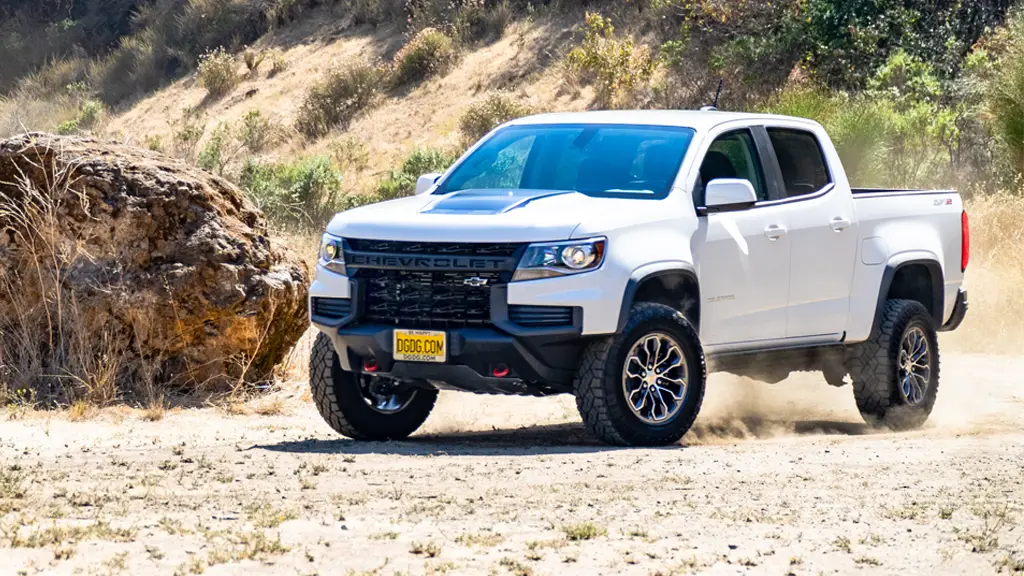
[332, 254]
[560, 259]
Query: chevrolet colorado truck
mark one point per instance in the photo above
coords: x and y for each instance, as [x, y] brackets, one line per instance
[618, 256]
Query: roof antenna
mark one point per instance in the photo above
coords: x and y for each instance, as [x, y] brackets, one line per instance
[718, 93]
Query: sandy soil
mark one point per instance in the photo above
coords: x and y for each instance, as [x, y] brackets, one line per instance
[773, 479]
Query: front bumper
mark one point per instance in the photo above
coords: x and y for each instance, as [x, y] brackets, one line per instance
[536, 365]
[959, 312]
[540, 360]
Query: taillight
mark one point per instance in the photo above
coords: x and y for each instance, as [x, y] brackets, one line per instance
[965, 241]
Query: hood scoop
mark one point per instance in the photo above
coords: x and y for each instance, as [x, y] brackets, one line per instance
[488, 202]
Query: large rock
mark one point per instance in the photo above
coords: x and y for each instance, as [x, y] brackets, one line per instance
[117, 261]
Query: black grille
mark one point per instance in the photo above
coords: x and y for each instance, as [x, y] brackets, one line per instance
[433, 300]
[332, 308]
[434, 248]
[540, 316]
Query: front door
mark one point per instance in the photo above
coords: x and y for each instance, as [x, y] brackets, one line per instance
[743, 256]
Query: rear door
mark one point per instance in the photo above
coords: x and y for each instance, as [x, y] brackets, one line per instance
[823, 236]
[743, 256]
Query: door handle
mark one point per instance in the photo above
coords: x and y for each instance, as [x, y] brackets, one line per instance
[774, 232]
[839, 224]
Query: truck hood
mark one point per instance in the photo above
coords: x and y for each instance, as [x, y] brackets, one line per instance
[489, 216]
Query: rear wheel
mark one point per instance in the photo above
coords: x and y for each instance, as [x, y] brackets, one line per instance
[644, 386]
[363, 406]
[896, 372]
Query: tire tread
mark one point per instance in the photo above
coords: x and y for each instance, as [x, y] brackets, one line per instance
[873, 371]
[322, 369]
[598, 410]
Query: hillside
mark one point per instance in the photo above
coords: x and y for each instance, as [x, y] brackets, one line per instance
[331, 104]
[426, 115]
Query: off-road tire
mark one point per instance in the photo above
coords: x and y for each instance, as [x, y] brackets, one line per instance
[874, 367]
[337, 397]
[598, 383]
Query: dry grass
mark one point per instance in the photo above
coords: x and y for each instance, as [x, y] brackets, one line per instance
[428, 549]
[583, 531]
[22, 112]
[995, 276]
[46, 349]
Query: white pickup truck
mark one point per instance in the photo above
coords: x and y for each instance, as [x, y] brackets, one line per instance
[607, 254]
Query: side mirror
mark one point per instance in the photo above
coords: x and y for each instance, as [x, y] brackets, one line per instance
[723, 194]
[425, 182]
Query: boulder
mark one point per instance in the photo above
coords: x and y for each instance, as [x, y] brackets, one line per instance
[120, 266]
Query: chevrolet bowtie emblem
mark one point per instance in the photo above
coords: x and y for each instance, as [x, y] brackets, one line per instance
[475, 282]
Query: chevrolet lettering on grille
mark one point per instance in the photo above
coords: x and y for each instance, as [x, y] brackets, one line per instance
[412, 262]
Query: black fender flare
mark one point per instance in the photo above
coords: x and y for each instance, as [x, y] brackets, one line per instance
[938, 289]
[634, 284]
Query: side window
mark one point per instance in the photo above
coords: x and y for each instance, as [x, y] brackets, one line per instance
[731, 155]
[800, 158]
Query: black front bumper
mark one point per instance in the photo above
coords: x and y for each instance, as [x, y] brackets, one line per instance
[538, 364]
[959, 312]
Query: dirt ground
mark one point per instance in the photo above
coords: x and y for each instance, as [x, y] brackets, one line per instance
[772, 480]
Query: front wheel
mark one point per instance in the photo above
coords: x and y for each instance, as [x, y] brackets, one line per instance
[362, 406]
[896, 372]
[644, 386]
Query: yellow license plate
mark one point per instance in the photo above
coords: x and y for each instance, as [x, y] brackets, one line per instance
[420, 346]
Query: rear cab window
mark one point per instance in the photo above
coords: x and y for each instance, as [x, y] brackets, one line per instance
[801, 161]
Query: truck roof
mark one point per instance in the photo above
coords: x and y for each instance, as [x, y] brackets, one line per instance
[700, 120]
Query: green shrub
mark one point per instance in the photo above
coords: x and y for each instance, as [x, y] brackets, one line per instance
[350, 153]
[336, 99]
[257, 132]
[68, 127]
[497, 18]
[188, 131]
[303, 193]
[204, 25]
[488, 114]
[1005, 97]
[218, 72]
[429, 53]
[469, 21]
[218, 150]
[616, 65]
[278, 63]
[281, 12]
[154, 142]
[848, 40]
[88, 118]
[376, 12]
[253, 59]
[402, 182]
[90, 114]
[906, 80]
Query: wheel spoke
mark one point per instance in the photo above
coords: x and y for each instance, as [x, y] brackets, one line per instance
[920, 385]
[652, 359]
[673, 352]
[659, 400]
[675, 397]
[629, 367]
[643, 398]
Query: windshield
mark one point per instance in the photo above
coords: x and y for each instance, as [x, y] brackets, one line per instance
[594, 159]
